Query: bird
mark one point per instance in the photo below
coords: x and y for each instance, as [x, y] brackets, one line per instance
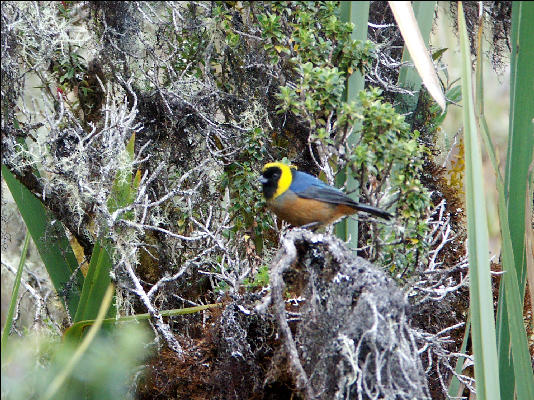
[304, 200]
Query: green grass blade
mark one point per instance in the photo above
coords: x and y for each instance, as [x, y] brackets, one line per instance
[356, 12]
[60, 379]
[51, 242]
[520, 148]
[517, 374]
[15, 292]
[454, 386]
[506, 369]
[524, 379]
[95, 285]
[76, 330]
[520, 144]
[523, 384]
[415, 43]
[481, 301]
[529, 234]
[408, 76]
[521, 137]
[123, 189]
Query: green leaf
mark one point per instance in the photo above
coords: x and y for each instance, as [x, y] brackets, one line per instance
[356, 12]
[481, 300]
[75, 331]
[51, 242]
[408, 76]
[60, 378]
[438, 53]
[454, 387]
[521, 137]
[414, 41]
[95, 285]
[14, 294]
[124, 186]
[514, 365]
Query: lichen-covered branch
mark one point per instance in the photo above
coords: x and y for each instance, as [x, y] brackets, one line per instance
[352, 338]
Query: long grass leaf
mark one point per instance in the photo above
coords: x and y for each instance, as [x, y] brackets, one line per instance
[529, 235]
[524, 379]
[356, 12]
[521, 129]
[454, 386]
[58, 381]
[518, 371]
[76, 330]
[123, 189]
[523, 383]
[481, 302]
[15, 292]
[520, 148]
[506, 370]
[408, 76]
[404, 16]
[95, 285]
[51, 241]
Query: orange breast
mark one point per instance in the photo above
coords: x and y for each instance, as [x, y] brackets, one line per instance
[298, 211]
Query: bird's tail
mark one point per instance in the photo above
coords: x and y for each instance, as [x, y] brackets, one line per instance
[373, 210]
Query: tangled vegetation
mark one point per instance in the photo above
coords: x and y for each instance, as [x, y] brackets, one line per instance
[142, 127]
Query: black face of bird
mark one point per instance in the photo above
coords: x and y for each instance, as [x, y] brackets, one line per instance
[269, 180]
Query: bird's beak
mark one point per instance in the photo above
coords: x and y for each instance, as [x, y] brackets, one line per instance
[262, 179]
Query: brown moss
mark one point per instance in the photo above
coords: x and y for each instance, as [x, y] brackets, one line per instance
[170, 376]
[228, 357]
